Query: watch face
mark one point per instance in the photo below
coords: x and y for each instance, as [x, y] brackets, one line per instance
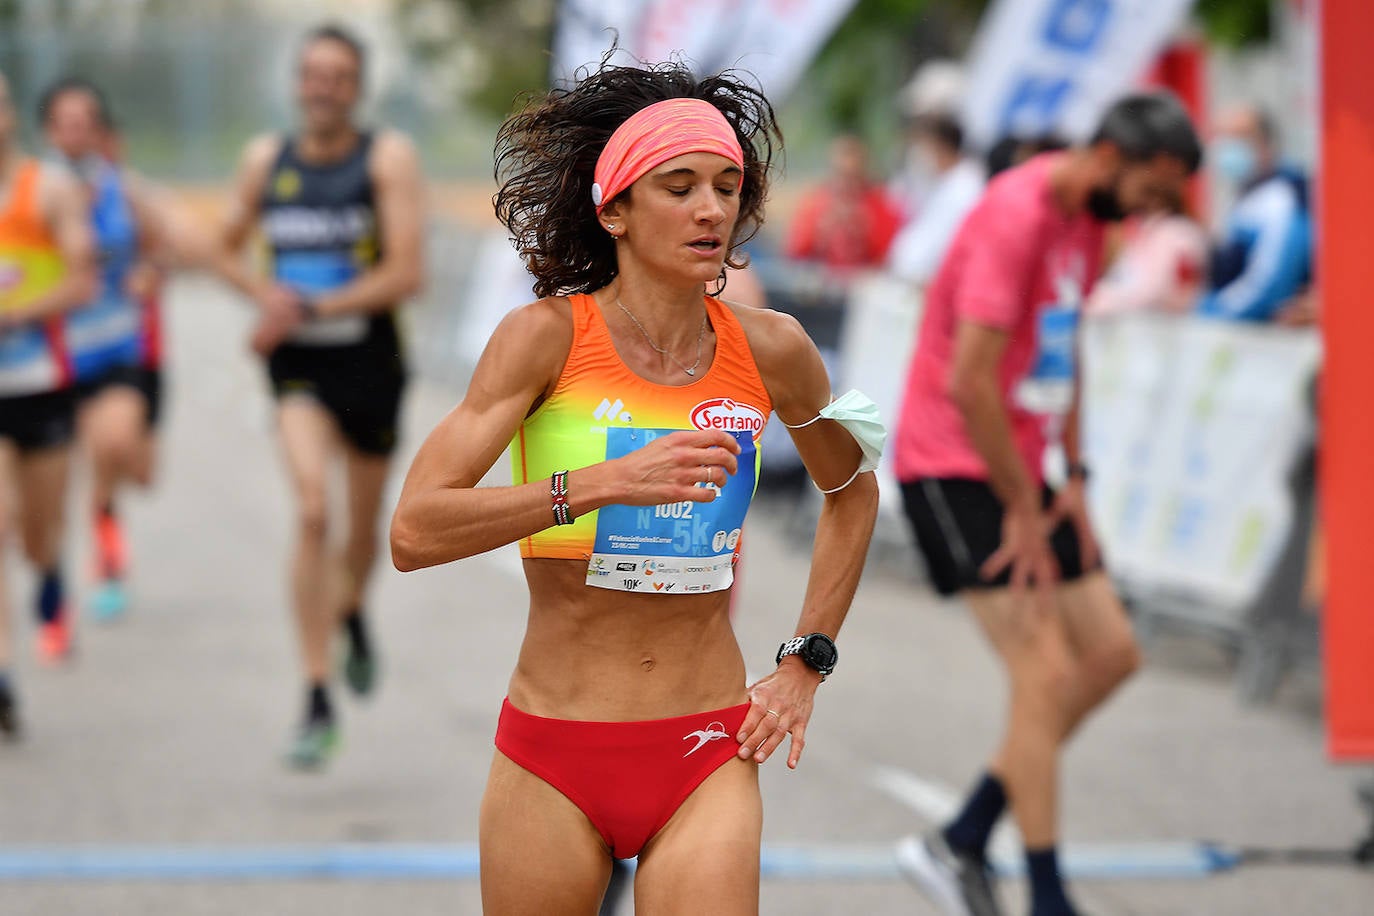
[820, 653]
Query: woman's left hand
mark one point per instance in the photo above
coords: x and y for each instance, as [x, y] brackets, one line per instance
[780, 705]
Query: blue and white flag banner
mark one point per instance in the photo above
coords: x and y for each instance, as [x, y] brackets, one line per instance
[1042, 67]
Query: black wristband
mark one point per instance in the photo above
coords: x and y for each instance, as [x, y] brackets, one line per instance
[1077, 470]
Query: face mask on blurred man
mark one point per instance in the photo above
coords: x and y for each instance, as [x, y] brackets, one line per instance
[1105, 205]
[1234, 159]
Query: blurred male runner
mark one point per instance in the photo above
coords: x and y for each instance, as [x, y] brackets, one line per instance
[993, 377]
[46, 268]
[115, 339]
[340, 208]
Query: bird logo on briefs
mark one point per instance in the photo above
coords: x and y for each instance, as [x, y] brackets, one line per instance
[713, 732]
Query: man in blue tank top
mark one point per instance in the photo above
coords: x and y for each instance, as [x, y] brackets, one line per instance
[113, 338]
[340, 210]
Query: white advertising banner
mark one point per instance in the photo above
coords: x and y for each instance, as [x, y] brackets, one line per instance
[773, 39]
[1042, 67]
[1192, 428]
[881, 318]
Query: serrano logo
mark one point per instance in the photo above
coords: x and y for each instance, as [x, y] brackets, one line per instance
[728, 415]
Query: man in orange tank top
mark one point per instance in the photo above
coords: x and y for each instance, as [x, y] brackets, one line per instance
[46, 268]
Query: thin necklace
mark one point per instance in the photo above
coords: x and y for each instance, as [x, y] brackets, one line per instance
[701, 335]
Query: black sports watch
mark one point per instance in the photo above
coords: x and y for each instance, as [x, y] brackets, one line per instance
[816, 649]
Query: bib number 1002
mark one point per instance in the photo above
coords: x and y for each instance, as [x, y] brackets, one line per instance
[674, 510]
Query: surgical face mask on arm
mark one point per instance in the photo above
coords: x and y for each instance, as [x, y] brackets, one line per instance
[1234, 159]
[859, 415]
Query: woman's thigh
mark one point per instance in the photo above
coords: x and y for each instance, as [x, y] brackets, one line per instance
[540, 854]
[706, 858]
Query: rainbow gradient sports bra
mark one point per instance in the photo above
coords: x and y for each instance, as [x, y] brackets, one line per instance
[600, 410]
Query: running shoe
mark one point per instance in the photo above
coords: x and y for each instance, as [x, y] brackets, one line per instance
[360, 671]
[109, 601]
[111, 551]
[313, 746]
[55, 640]
[359, 666]
[9, 714]
[958, 884]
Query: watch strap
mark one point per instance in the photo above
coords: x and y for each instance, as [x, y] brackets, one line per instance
[792, 647]
[796, 645]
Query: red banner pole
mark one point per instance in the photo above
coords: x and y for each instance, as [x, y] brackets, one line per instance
[1345, 240]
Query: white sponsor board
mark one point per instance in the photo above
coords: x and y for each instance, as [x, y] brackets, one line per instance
[1053, 66]
[881, 321]
[773, 39]
[1192, 427]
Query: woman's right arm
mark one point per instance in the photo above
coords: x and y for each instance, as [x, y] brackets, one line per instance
[443, 515]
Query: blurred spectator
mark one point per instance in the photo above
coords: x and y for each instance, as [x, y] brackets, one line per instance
[936, 90]
[849, 221]
[1161, 263]
[1264, 257]
[919, 247]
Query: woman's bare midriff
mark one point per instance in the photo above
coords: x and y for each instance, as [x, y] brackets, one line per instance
[598, 655]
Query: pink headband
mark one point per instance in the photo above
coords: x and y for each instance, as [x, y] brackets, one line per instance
[653, 135]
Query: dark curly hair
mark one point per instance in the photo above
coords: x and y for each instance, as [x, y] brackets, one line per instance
[546, 159]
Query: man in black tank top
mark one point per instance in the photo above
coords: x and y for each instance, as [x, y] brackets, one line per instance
[340, 210]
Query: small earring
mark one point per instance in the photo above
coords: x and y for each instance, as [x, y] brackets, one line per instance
[610, 227]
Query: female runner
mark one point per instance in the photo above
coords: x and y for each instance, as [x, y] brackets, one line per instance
[633, 403]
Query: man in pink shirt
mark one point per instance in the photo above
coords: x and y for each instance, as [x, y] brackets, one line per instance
[992, 379]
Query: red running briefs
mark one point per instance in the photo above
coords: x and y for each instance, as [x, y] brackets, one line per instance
[627, 777]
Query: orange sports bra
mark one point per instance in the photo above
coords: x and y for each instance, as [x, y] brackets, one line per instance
[600, 410]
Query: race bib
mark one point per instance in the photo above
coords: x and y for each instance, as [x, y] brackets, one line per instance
[314, 273]
[27, 363]
[1048, 387]
[677, 548]
[104, 333]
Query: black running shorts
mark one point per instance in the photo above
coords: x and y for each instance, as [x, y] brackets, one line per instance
[35, 422]
[360, 387]
[147, 382]
[958, 526]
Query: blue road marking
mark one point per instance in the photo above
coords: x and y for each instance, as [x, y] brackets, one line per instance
[458, 862]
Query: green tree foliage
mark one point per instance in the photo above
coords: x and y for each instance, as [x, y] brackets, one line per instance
[1237, 22]
[491, 51]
